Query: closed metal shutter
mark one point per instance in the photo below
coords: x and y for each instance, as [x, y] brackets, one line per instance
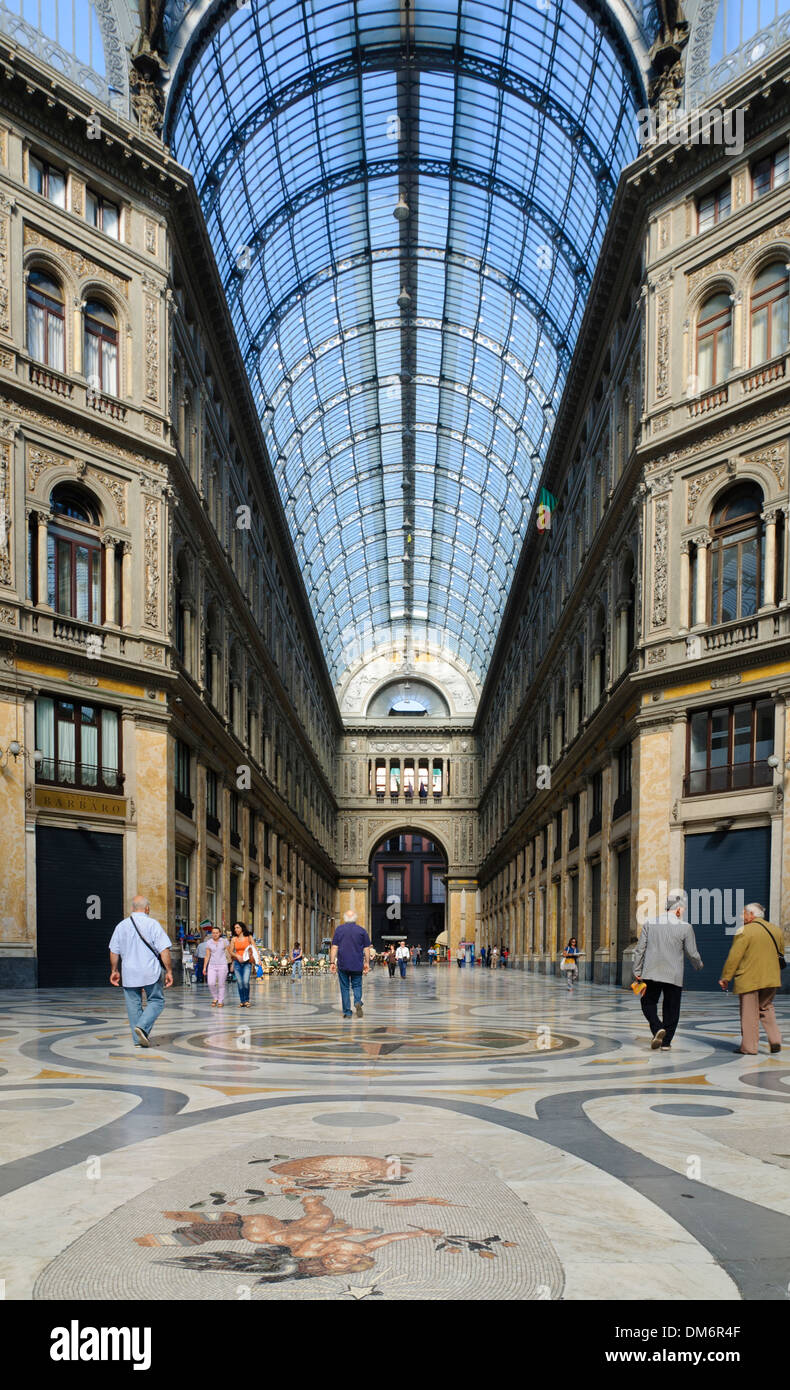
[722, 871]
[73, 867]
[595, 905]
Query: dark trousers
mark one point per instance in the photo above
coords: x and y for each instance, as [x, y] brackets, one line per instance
[670, 1009]
[391, 969]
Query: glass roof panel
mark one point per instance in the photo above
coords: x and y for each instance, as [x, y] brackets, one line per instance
[406, 206]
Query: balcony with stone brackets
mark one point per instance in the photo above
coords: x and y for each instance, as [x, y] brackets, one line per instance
[91, 640]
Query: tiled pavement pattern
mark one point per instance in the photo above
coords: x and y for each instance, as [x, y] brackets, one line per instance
[517, 1142]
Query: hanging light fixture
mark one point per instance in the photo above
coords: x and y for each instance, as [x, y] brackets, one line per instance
[401, 209]
[404, 299]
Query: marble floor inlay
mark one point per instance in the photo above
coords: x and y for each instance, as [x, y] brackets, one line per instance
[479, 1135]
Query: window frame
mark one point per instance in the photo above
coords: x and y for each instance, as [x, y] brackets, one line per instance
[47, 170]
[101, 204]
[52, 309]
[78, 782]
[724, 771]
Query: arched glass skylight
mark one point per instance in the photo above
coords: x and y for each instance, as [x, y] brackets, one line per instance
[406, 206]
[65, 33]
[744, 32]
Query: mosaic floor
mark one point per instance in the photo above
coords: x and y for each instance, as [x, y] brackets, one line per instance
[476, 1133]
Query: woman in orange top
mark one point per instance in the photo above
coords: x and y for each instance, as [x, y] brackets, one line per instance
[242, 946]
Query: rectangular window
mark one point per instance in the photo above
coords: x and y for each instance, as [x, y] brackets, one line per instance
[212, 822]
[74, 575]
[211, 893]
[182, 893]
[438, 889]
[103, 214]
[728, 748]
[770, 173]
[49, 182]
[79, 744]
[713, 207]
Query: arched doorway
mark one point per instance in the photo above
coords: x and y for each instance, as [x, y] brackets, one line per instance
[408, 889]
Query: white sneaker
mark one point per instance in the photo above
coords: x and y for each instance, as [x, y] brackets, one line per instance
[658, 1038]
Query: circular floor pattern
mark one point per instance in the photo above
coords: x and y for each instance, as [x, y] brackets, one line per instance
[375, 1040]
[692, 1111]
[320, 1221]
[356, 1120]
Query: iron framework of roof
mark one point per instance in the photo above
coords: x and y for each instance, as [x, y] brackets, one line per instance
[406, 206]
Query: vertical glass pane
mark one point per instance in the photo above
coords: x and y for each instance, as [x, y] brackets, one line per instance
[36, 175]
[95, 559]
[64, 578]
[35, 331]
[92, 366]
[110, 370]
[45, 735]
[759, 351]
[698, 748]
[764, 736]
[714, 582]
[749, 596]
[742, 734]
[705, 363]
[89, 747]
[81, 555]
[719, 727]
[111, 220]
[729, 583]
[56, 188]
[66, 744]
[55, 344]
[109, 746]
[92, 208]
[723, 353]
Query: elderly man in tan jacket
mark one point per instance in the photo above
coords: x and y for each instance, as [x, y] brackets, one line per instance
[753, 963]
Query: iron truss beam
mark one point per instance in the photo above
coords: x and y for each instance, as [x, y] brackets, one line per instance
[394, 58]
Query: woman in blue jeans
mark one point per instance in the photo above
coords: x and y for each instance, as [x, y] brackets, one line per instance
[243, 948]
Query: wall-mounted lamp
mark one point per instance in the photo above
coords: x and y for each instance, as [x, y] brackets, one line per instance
[13, 751]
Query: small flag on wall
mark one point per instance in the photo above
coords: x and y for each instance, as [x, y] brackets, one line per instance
[546, 505]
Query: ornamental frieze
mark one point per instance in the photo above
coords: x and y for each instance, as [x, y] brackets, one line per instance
[81, 265]
[736, 256]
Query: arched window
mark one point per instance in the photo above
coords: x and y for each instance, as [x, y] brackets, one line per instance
[101, 348]
[45, 320]
[714, 341]
[768, 332]
[736, 554]
[74, 555]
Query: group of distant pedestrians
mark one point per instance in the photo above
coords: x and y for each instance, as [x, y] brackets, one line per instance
[140, 960]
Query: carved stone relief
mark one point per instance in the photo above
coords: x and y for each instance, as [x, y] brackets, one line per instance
[660, 562]
[697, 485]
[662, 342]
[151, 550]
[151, 348]
[5, 302]
[150, 236]
[5, 511]
[774, 457]
[735, 257]
[81, 265]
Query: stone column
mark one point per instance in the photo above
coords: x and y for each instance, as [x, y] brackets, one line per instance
[188, 637]
[42, 536]
[769, 566]
[109, 581]
[353, 895]
[701, 606]
[685, 571]
[126, 585]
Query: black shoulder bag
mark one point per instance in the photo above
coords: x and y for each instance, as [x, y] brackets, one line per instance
[153, 951]
[782, 961]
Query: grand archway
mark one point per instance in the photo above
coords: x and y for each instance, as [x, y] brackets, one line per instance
[408, 889]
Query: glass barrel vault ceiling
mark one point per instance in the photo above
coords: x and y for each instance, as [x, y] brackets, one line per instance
[407, 368]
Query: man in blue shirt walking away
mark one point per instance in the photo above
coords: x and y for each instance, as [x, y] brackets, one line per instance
[349, 958]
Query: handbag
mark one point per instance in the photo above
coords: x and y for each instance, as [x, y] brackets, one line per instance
[782, 961]
[152, 949]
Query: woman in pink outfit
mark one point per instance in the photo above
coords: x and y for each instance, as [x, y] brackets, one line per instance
[217, 958]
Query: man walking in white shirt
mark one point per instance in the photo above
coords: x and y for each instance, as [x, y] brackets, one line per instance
[142, 946]
[402, 957]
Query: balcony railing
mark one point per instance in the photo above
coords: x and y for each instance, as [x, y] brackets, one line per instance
[622, 805]
[731, 635]
[235, 839]
[81, 776]
[729, 777]
[49, 380]
[253, 849]
[105, 405]
[573, 840]
[762, 376]
[184, 804]
[212, 824]
[595, 823]
[711, 399]
[424, 797]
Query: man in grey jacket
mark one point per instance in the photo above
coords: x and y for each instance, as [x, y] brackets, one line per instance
[658, 959]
